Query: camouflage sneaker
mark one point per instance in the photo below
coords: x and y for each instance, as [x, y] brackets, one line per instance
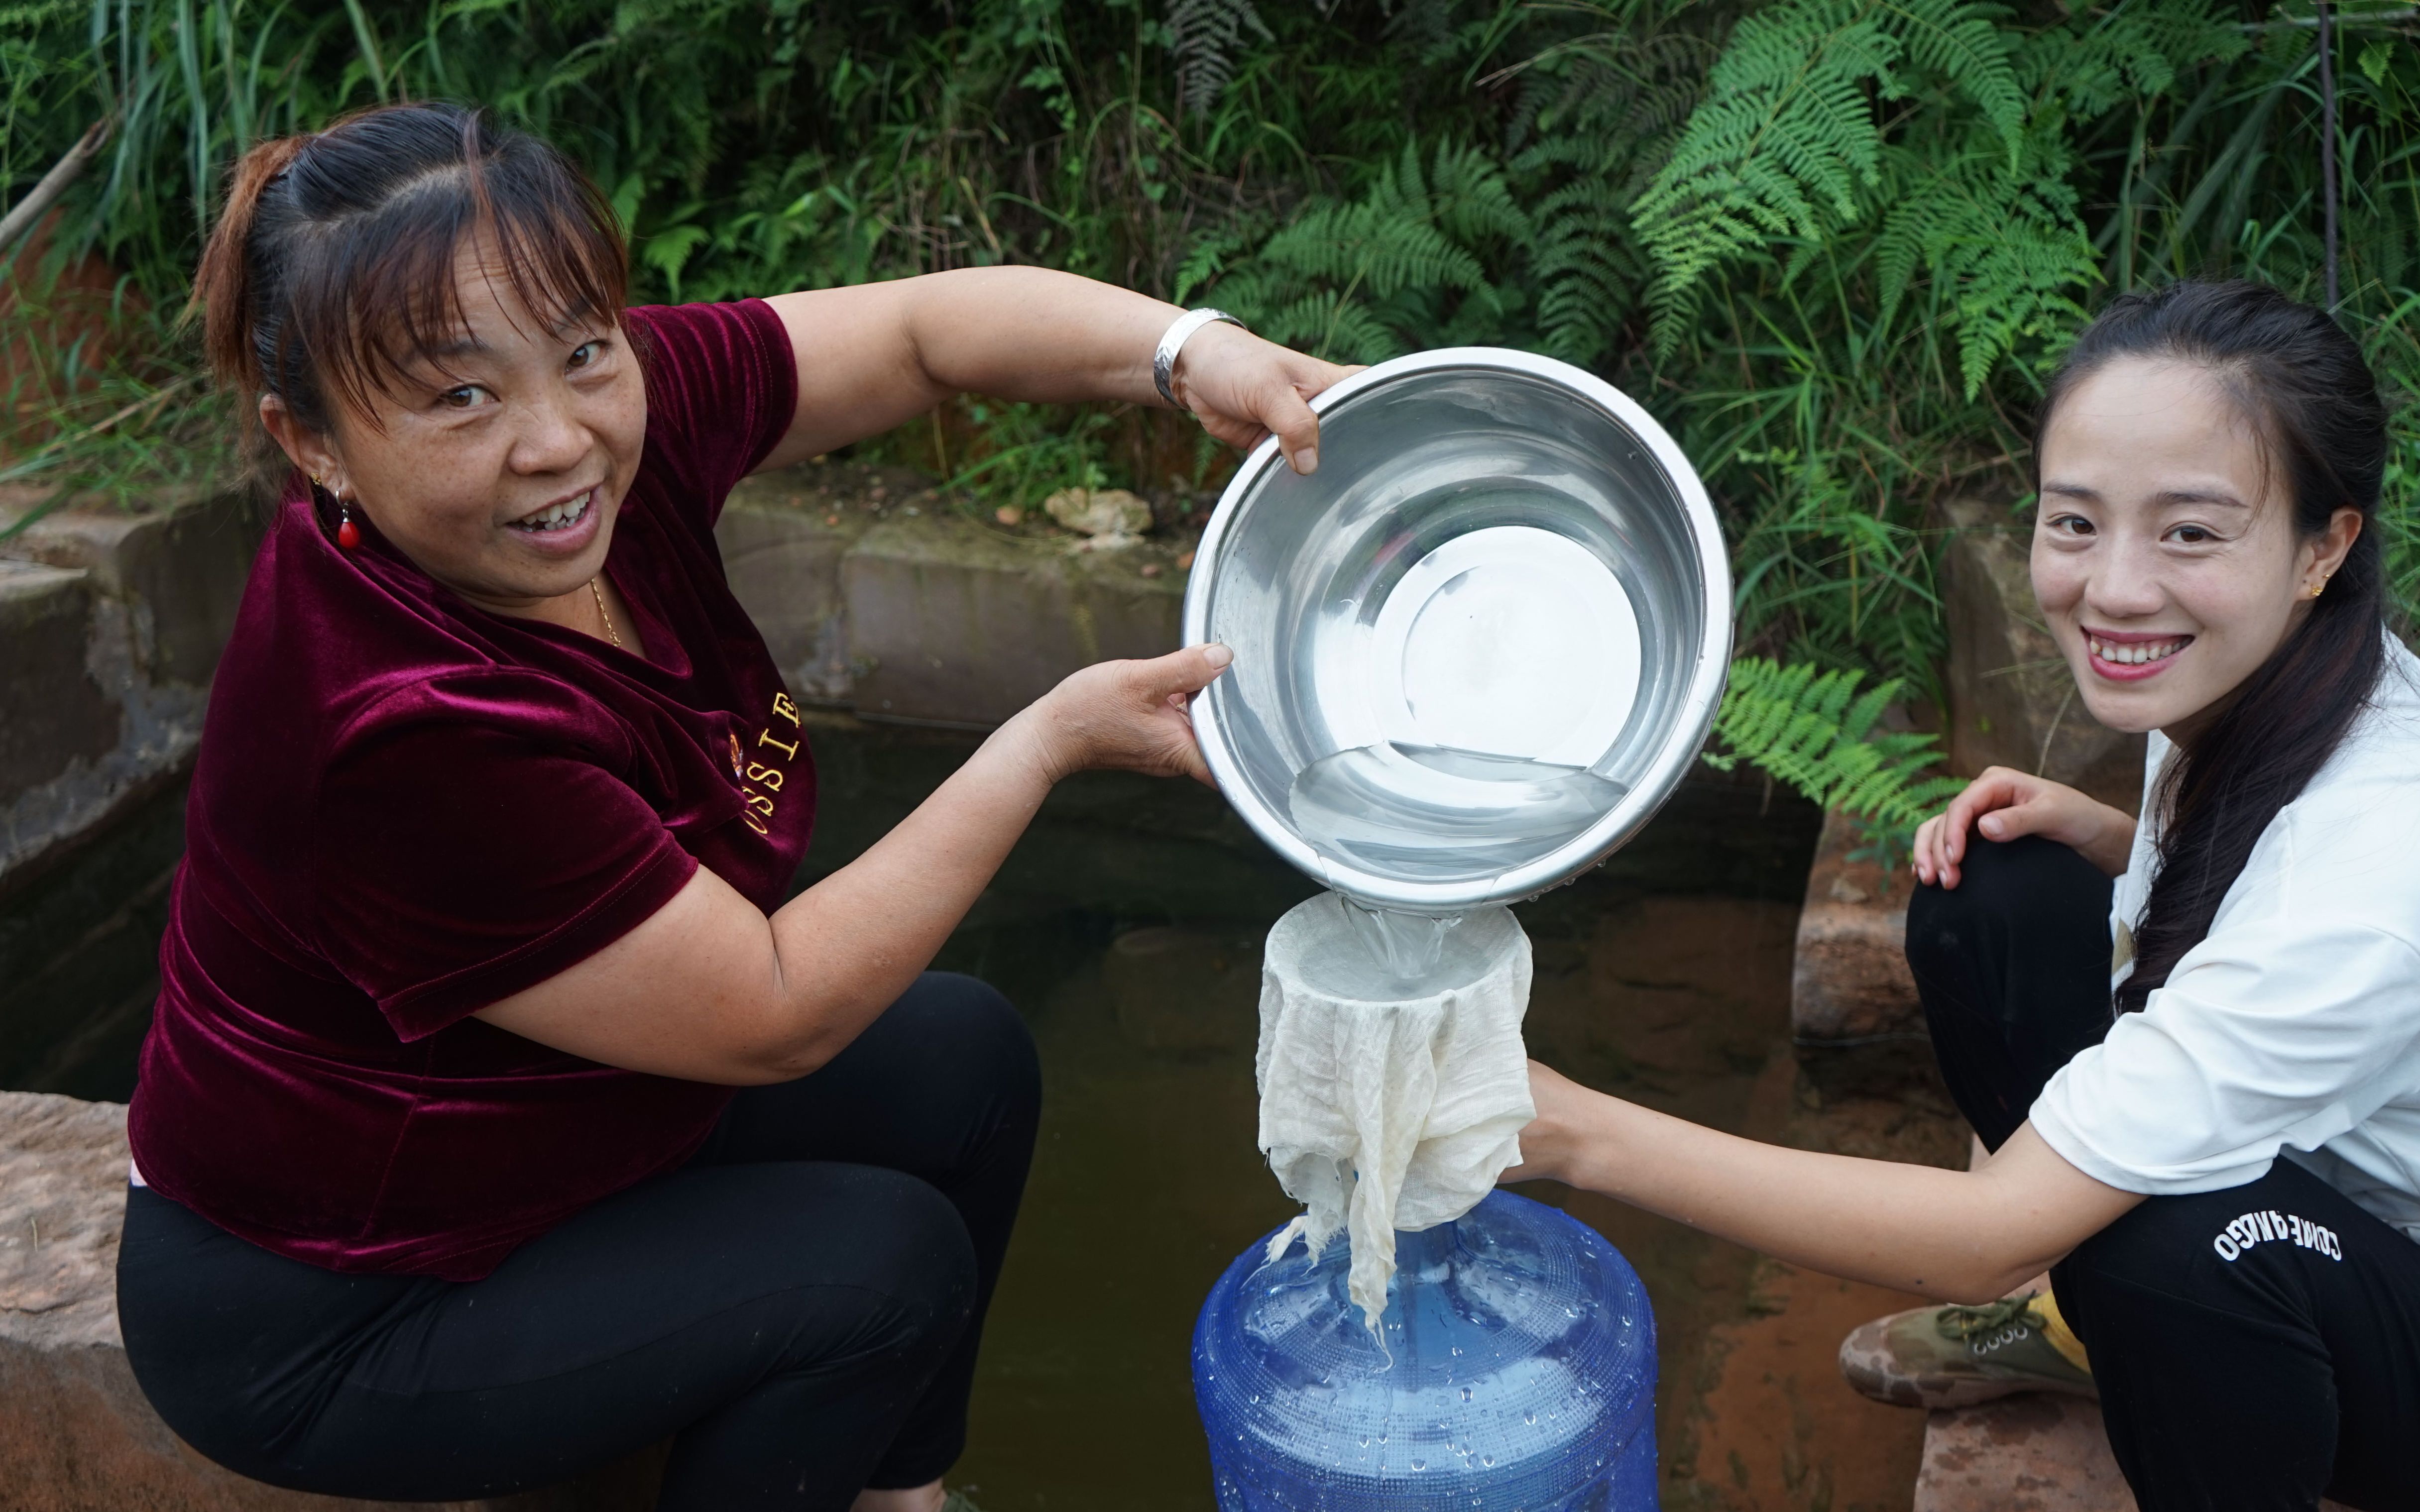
[1958, 1357]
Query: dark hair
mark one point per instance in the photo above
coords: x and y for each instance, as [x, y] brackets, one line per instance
[333, 266]
[2301, 382]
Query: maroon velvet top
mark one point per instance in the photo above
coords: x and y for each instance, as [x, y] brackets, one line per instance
[405, 807]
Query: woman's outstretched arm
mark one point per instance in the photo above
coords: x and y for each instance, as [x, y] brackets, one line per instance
[711, 988]
[1956, 1236]
[873, 355]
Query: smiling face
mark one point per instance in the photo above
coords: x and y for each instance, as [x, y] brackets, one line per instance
[2165, 558]
[497, 464]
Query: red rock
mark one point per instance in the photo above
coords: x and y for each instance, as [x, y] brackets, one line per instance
[75, 1432]
[1850, 981]
[2033, 1453]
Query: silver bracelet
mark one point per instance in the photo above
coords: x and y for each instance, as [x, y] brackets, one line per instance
[1163, 362]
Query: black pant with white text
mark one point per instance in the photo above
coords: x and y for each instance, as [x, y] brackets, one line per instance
[2256, 1347]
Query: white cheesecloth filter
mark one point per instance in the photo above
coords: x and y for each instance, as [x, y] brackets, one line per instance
[1392, 1091]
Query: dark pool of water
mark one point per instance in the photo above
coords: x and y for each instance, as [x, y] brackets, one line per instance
[1127, 930]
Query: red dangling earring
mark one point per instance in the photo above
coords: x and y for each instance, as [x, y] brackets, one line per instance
[348, 536]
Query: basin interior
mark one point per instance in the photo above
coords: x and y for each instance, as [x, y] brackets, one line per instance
[1464, 641]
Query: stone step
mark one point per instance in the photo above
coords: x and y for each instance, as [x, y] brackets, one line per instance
[111, 624]
[75, 1432]
[2034, 1453]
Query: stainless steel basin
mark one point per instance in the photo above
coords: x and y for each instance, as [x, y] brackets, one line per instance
[1478, 649]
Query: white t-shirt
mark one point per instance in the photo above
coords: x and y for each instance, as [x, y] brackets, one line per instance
[2294, 1028]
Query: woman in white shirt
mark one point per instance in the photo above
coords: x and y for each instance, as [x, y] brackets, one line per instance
[2139, 1058]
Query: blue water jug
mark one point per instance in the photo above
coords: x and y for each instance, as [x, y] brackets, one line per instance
[1514, 1371]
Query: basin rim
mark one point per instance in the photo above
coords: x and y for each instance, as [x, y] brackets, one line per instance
[1683, 739]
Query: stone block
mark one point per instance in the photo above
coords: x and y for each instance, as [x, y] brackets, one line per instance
[1850, 984]
[2012, 702]
[111, 623]
[80, 955]
[954, 623]
[53, 712]
[921, 615]
[76, 1434]
[179, 566]
[2034, 1453]
[783, 563]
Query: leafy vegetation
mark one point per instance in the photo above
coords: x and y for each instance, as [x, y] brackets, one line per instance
[1814, 731]
[1835, 245]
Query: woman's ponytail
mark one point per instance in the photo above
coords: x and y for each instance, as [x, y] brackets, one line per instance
[223, 285]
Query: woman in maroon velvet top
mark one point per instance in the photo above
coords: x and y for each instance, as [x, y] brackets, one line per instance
[446, 1183]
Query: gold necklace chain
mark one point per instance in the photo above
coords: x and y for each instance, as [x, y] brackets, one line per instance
[609, 633]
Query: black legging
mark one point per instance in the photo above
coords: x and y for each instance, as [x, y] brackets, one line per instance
[2245, 1362]
[800, 1305]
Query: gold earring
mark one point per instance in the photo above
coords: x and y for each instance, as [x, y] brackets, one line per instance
[2319, 587]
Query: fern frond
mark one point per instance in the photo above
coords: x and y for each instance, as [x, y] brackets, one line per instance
[1962, 45]
[2010, 255]
[1202, 35]
[1785, 132]
[1788, 143]
[2101, 57]
[1814, 731]
[1348, 277]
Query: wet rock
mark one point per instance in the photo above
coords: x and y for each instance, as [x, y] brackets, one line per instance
[1774, 1425]
[2012, 702]
[76, 1434]
[1182, 988]
[1850, 984]
[1103, 512]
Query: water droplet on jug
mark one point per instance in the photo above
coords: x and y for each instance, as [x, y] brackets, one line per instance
[1328, 1391]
